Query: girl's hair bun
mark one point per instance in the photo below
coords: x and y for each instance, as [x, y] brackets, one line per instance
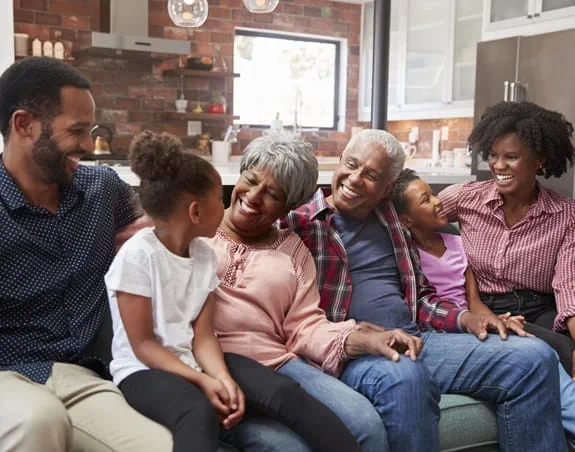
[155, 156]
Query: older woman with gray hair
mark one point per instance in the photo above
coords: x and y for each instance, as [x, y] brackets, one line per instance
[267, 304]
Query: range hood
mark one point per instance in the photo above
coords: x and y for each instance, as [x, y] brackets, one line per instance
[128, 37]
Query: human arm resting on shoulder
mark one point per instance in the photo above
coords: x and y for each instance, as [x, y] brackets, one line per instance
[564, 283]
[449, 197]
[123, 234]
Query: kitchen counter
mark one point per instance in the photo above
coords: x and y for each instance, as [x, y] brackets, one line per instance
[230, 173]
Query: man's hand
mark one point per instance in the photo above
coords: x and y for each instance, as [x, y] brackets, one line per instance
[481, 324]
[370, 339]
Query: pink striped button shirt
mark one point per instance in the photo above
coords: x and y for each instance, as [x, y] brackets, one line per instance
[537, 253]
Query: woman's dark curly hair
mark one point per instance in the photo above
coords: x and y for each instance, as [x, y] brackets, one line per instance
[546, 133]
[166, 171]
[397, 195]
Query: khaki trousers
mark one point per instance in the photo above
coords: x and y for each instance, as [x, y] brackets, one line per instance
[75, 410]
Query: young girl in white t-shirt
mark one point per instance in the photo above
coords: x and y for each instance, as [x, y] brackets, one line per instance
[166, 359]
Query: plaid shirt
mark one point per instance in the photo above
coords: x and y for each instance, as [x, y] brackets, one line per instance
[313, 223]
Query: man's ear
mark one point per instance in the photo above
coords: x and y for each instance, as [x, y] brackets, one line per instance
[194, 212]
[22, 122]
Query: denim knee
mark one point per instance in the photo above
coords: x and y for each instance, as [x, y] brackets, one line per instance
[535, 351]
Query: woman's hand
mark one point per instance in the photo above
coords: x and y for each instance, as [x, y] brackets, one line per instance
[216, 393]
[237, 402]
[514, 323]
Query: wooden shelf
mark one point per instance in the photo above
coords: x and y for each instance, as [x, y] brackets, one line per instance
[200, 116]
[201, 74]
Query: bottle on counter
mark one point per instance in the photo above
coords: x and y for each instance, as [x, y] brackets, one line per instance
[36, 47]
[48, 48]
[58, 47]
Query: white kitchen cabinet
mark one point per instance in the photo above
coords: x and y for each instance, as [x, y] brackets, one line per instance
[508, 18]
[432, 58]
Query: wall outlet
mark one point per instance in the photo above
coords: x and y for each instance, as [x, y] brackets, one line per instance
[445, 133]
[194, 128]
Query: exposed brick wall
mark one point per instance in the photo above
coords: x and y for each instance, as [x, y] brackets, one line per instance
[129, 97]
[459, 130]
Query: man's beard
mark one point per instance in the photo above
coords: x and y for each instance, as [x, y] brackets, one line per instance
[51, 160]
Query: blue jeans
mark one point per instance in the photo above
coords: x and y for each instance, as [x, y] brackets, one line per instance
[356, 412]
[520, 375]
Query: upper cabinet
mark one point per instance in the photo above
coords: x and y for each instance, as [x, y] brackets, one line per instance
[432, 58]
[507, 18]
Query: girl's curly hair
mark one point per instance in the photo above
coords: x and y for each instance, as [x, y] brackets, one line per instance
[167, 170]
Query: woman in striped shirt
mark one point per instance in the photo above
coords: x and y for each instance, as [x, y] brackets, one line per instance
[519, 236]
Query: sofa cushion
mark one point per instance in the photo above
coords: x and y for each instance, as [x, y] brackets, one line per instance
[467, 424]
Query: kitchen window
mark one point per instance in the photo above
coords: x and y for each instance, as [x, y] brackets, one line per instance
[294, 78]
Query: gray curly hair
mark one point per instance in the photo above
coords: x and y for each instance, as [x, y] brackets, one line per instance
[381, 138]
[291, 160]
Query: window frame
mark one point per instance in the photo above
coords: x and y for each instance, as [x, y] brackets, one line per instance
[339, 80]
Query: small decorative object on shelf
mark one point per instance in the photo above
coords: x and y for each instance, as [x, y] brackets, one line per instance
[260, 6]
[188, 13]
[181, 102]
[48, 49]
[223, 65]
[203, 144]
[58, 47]
[36, 47]
[218, 104]
[198, 109]
[202, 63]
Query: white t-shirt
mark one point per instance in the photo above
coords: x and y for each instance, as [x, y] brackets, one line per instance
[177, 286]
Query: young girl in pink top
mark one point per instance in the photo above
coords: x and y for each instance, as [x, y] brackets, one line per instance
[444, 263]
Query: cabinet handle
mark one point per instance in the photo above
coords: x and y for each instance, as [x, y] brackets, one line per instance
[506, 91]
[536, 15]
[529, 16]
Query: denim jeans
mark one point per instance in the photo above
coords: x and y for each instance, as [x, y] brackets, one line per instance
[404, 395]
[356, 412]
[520, 375]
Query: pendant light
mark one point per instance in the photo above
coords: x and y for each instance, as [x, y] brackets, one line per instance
[188, 13]
[260, 6]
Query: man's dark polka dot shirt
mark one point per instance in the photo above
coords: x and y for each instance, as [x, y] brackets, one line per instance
[52, 267]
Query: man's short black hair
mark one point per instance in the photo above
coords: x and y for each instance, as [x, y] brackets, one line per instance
[546, 133]
[35, 84]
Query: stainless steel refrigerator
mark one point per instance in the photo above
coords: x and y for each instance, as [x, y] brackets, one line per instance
[539, 69]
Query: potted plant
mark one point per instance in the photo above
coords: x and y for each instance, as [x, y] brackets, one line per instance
[217, 104]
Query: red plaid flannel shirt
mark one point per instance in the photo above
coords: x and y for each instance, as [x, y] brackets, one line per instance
[313, 223]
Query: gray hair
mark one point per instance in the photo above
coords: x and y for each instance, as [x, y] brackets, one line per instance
[291, 160]
[381, 138]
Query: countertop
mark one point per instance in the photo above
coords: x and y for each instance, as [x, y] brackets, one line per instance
[229, 173]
